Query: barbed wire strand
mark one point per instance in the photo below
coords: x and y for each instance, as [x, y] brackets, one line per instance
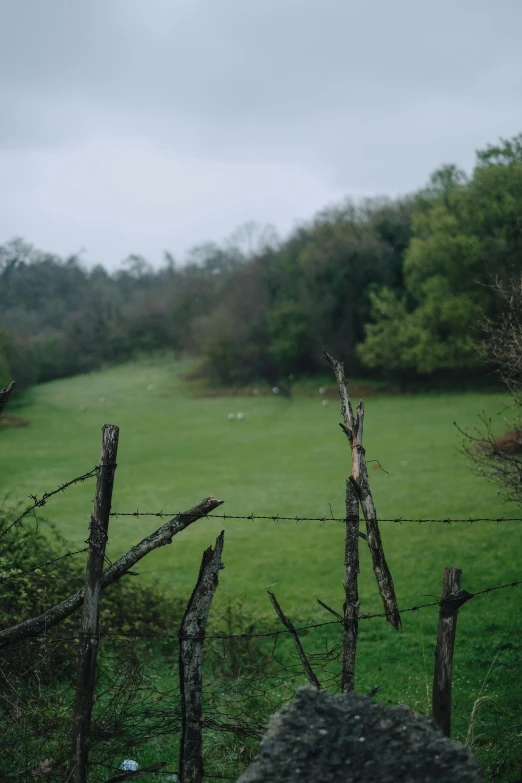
[39, 502]
[297, 518]
[514, 583]
[16, 573]
[281, 631]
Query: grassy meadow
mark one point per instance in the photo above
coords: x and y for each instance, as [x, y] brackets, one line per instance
[289, 457]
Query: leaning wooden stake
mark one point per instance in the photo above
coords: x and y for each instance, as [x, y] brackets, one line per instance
[191, 637]
[310, 674]
[358, 491]
[89, 636]
[453, 597]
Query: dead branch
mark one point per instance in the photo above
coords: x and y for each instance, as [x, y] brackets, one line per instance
[163, 535]
[502, 346]
[329, 609]
[499, 460]
[5, 394]
[310, 674]
[351, 543]
[191, 637]
[353, 428]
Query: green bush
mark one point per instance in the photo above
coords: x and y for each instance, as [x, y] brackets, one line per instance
[127, 607]
[39, 675]
[16, 362]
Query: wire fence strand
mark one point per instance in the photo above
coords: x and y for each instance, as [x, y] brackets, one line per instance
[282, 631]
[300, 518]
[39, 502]
[40, 567]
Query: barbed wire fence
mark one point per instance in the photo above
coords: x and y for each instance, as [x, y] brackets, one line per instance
[251, 517]
[244, 683]
[134, 710]
[247, 674]
[269, 676]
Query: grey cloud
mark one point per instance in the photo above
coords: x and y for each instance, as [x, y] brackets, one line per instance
[263, 61]
[354, 96]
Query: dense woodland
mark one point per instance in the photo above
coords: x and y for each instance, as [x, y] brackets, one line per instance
[396, 287]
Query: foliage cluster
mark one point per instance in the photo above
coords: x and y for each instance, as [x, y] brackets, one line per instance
[38, 675]
[393, 287]
[29, 586]
[499, 459]
[137, 694]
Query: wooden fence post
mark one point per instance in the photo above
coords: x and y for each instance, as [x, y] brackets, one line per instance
[358, 492]
[453, 597]
[191, 638]
[351, 590]
[89, 636]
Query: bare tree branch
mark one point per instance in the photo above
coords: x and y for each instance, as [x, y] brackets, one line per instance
[5, 394]
[329, 609]
[500, 459]
[502, 346]
[310, 674]
[163, 535]
[353, 428]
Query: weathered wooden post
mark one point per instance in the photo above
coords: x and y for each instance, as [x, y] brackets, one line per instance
[191, 638]
[358, 492]
[453, 597]
[89, 635]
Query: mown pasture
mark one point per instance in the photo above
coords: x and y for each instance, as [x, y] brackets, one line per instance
[288, 457]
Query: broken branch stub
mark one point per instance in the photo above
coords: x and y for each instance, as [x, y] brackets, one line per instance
[191, 637]
[352, 426]
[342, 384]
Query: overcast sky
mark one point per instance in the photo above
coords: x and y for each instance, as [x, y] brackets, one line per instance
[138, 126]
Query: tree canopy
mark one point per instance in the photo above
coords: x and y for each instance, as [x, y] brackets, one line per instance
[396, 287]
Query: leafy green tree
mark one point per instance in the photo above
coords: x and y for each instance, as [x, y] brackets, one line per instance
[394, 338]
[290, 339]
[466, 234]
[405, 279]
[5, 371]
[16, 362]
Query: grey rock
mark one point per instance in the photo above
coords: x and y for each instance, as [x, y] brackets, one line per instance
[348, 738]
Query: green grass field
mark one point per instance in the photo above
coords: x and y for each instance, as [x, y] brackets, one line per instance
[289, 457]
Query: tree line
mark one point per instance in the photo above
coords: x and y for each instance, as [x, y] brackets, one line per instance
[397, 288]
